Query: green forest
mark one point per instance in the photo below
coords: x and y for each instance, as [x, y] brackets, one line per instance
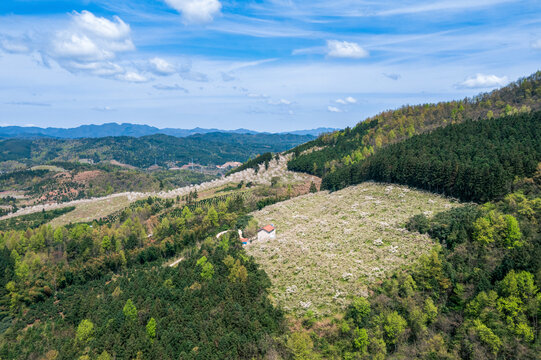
[143, 152]
[96, 291]
[352, 145]
[473, 161]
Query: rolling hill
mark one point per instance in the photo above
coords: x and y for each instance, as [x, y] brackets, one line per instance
[352, 145]
[126, 129]
[142, 152]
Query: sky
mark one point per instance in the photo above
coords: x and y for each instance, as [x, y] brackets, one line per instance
[267, 65]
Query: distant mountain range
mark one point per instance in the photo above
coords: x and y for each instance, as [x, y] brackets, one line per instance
[126, 129]
[214, 148]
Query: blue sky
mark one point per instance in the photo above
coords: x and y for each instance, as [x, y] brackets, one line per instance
[270, 65]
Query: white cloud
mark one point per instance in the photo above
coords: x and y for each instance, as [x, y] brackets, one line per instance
[13, 46]
[90, 44]
[92, 38]
[347, 101]
[196, 11]
[102, 27]
[132, 76]
[333, 109]
[480, 81]
[160, 66]
[536, 44]
[78, 47]
[98, 68]
[280, 102]
[345, 49]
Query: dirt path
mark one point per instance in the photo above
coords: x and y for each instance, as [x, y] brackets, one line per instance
[221, 233]
[176, 262]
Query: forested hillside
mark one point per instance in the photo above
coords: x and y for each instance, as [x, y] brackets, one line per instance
[475, 160]
[350, 146]
[205, 149]
[476, 296]
[100, 291]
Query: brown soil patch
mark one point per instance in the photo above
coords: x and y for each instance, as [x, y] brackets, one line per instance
[86, 176]
[118, 163]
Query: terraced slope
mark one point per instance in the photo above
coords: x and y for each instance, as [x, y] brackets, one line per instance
[330, 246]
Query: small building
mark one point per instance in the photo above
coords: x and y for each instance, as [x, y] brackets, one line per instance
[243, 240]
[266, 232]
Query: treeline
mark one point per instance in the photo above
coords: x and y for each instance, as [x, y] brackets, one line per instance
[476, 296]
[473, 161]
[254, 163]
[350, 146]
[321, 157]
[30, 221]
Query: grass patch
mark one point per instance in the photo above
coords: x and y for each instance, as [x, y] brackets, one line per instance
[92, 210]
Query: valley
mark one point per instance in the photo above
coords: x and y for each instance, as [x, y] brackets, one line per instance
[86, 210]
[270, 180]
[427, 246]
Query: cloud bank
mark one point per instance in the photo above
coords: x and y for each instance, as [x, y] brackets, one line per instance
[333, 109]
[196, 11]
[345, 49]
[482, 81]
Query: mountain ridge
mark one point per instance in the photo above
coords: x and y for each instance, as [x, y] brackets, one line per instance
[129, 129]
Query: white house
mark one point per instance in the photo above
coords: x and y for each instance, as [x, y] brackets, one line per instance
[266, 233]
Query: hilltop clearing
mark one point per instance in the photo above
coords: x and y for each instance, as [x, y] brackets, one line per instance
[332, 246]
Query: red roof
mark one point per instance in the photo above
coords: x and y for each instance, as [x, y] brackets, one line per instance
[268, 228]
